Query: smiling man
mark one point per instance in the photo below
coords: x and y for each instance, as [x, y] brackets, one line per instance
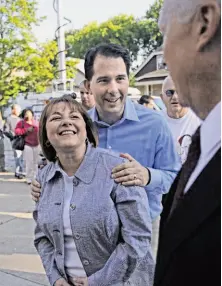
[182, 121]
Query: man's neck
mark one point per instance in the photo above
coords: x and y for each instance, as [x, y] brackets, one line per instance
[109, 117]
[178, 114]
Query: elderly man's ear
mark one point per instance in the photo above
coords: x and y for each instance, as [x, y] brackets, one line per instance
[206, 24]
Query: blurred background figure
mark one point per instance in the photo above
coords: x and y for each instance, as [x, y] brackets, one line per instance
[87, 98]
[2, 149]
[148, 102]
[182, 121]
[10, 126]
[29, 127]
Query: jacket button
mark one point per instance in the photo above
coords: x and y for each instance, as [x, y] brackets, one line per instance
[75, 182]
[85, 262]
[73, 207]
[77, 236]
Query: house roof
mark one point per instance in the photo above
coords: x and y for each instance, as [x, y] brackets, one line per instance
[157, 73]
[157, 52]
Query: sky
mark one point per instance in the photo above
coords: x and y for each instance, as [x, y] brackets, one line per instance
[83, 12]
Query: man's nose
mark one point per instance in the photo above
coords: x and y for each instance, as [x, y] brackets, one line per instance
[113, 87]
[175, 96]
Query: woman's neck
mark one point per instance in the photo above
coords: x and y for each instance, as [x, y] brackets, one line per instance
[70, 162]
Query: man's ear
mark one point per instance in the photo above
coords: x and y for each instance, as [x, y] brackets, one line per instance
[206, 23]
[87, 85]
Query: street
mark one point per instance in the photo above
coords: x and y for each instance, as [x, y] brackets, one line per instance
[19, 262]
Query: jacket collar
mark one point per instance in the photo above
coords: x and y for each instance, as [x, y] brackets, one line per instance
[86, 170]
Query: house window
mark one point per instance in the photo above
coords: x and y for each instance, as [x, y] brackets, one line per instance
[160, 63]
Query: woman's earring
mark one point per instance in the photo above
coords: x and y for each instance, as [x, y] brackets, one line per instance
[47, 144]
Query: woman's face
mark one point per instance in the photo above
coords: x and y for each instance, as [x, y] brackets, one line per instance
[28, 115]
[65, 127]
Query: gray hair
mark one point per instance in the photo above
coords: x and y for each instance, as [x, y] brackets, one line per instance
[182, 10]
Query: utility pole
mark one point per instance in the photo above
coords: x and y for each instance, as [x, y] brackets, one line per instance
[61, 43]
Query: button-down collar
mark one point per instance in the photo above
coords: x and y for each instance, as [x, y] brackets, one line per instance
[85, 172]
[129, 113]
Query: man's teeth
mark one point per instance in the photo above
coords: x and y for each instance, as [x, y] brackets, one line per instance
[112, 100]
[67, 132]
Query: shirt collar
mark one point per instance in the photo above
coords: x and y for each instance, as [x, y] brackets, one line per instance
[210, 132]
[129, 112]
[85, 172]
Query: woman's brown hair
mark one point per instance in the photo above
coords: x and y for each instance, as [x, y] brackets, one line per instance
[47, 149]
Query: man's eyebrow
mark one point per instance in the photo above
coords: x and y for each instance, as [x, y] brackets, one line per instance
[121, 75]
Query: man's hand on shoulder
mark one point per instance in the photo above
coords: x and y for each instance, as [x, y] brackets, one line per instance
[131, 173]
[35, 190]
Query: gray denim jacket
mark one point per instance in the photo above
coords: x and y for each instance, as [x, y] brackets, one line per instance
[111, 224]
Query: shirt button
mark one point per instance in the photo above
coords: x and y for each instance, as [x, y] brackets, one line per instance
[75, 182]
[73, 207]
[85, 262]
[77, 236]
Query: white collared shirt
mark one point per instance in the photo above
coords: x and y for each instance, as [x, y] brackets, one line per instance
[210, 142]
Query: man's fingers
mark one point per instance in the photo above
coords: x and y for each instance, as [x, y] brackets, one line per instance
[123, 173]
[127, 156]
[122, 167]
[36, 184]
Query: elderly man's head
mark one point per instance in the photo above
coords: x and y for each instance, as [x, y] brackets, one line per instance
[192, 45]
[171, 99]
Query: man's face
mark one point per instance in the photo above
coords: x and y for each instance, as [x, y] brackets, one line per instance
[17, 110]
[170, 97]
[87, 98]
[179, 51]
[109, 85]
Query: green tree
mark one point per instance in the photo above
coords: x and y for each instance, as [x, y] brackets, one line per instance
[154, 38]
[140, 36]
[118, 30]
[25, 65]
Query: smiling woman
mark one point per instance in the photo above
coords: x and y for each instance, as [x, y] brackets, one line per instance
[81, 203]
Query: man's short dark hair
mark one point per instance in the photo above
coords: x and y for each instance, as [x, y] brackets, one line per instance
[145, 99]
[106, 50]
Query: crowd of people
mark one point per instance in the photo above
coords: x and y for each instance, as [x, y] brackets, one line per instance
[114, 167]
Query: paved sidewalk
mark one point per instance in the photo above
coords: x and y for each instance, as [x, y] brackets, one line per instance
[19, 263]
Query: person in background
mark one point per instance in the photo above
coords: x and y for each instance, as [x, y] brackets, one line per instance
[190, 230]
[90, 230]
[10, 126]
[87, 97]
[148, 102]
[183, 122]
[2, 148]
[29, 127]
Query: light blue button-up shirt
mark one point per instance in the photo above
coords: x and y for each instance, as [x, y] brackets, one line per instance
[144, 134]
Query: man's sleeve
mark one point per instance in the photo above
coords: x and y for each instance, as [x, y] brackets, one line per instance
[166, 164]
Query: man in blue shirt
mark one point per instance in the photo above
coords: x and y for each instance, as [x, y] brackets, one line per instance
[130, 128]
[139, 134]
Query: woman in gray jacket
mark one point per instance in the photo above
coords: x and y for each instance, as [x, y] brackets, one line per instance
[90, 230]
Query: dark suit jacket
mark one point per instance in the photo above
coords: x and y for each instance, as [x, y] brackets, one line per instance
[190, 241]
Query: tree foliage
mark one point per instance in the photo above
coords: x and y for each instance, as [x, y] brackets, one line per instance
[25, 65]
[140, 36]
